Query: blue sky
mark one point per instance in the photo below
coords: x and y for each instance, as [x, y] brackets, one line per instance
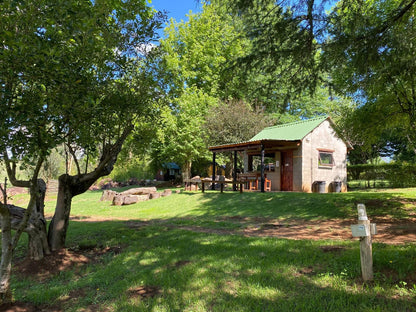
[177, 9]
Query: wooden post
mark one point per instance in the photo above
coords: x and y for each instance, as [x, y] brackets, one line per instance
[235, 172]
[262, 169]
[366, 249]
[213, 171]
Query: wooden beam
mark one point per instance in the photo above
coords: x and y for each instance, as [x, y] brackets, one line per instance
[262, 169]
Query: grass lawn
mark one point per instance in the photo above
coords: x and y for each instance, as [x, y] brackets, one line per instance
[146, 257]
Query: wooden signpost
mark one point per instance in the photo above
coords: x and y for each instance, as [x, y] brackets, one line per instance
[364, 229]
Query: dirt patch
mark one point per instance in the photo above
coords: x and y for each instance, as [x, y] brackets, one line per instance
[144, 292]
[50, 265]
[181, 263]
[389, 231]
[62, 260]
[335, 249]
[26, 307]
[309, 271]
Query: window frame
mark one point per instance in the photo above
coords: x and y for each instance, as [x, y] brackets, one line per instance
[329, 152]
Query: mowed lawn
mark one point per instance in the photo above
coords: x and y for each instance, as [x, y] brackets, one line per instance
[157, 261]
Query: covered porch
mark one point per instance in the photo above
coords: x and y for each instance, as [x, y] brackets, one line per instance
[268, 164]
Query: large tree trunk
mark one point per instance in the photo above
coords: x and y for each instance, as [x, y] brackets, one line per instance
[31, 221]
[36, 228]
[60, 221]
[70, 186]
[6, 257]
[186, 170]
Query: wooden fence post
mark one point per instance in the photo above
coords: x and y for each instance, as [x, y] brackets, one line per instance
[364, 231]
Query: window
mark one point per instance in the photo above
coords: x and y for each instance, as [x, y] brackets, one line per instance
[326, 158]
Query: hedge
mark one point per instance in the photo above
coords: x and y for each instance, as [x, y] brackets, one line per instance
[394, 174]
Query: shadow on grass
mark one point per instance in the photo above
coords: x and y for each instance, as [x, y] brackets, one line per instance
[302, 205]
[208, 272]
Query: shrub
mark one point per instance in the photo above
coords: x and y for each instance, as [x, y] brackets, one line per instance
[393, 174]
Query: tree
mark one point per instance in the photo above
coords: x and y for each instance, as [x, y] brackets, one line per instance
[196, 53]
[285, 41]
[233, 122]
[181, 138]
[370, 52]
[194, 60]
[69, 74]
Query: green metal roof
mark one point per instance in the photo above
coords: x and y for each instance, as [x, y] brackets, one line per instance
[289, 132]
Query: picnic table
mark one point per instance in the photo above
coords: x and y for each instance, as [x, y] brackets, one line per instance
[192, 182]
[253, 180]
[221, 183]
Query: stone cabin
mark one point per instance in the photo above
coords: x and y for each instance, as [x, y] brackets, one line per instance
[303, 156]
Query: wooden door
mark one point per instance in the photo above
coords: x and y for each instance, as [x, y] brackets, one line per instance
[286, 171]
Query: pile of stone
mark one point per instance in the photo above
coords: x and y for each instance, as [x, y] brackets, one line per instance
[133, 195]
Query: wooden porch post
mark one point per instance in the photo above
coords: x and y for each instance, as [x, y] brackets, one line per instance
[262, 169]
[213, 171]
[235, 172]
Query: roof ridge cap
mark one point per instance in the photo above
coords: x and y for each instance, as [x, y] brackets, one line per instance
[298, 122]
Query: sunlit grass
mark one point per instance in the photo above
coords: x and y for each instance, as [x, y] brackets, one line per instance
[211, 272]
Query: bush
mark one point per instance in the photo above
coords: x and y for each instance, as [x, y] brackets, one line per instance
[392, 175]
[124, 171]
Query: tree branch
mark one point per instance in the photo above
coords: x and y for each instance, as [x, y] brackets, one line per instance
[34, 188]
[400, 13]
[11, 172]
[74, 157]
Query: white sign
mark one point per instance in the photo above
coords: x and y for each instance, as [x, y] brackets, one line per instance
[360, 230]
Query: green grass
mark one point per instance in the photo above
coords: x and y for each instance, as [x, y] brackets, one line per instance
[271, 205]
[210, 272]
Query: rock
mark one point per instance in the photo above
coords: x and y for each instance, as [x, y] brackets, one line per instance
[154, 195]
[140, 191]
[166, 192]
[118, 199]
[121, 199]
[108, 195]
[132, 199]
[196, 179]
[133, 181]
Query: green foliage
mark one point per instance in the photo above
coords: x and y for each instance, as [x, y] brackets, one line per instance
[233, 122]
[392, 174]
[58, 67]
[370, 55]
[193, 64]
[181, 139]
[284, 46]
[133, 168]
[197, 54]
[322, 102]
[363, 50]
